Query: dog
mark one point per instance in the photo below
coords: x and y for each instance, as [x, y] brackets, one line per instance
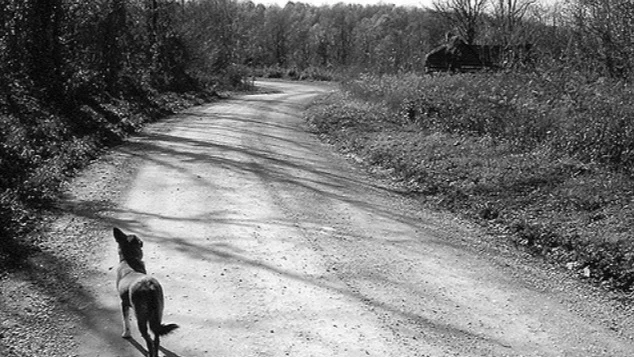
[140, 291]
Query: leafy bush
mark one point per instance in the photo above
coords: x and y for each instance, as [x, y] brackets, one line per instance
[235, 77]
[14, 216]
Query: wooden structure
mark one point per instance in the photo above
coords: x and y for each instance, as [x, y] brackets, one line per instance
[458, 56]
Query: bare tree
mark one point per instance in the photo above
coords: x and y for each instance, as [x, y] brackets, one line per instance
[605, 31]
[464, 15]
[508, 19]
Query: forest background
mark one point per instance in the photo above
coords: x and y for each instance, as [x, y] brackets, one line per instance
[553, 135]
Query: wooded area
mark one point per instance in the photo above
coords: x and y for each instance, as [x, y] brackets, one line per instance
[67, 49]
[589, 36]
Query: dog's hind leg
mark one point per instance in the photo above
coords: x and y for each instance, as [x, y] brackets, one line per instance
[125, 312]
[157, 343]
[154, 318]
[142, 323]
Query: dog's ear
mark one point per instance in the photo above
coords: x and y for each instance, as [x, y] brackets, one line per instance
[119, 236]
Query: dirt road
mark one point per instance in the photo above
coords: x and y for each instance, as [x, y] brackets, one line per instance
[268, 243]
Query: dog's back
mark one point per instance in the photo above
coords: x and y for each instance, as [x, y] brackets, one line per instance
[143, 292]
[140, 291]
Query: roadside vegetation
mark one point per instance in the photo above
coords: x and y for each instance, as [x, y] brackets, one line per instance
[547, 166]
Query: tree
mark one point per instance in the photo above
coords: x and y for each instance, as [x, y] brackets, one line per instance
[342, 26]
[113, 30]
[43, 44]
[465, 15]
[509, 20]
[605, 34]
[277, 26]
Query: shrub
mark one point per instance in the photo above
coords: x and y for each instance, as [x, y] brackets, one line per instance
[235, 77]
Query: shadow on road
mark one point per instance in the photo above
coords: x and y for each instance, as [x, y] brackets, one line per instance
[292, 168]
[139, 347]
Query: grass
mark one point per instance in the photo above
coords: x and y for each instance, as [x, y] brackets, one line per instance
[545, 160]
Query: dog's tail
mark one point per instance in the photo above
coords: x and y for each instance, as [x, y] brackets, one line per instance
[147, 299]
[165, 329]
[156, 315]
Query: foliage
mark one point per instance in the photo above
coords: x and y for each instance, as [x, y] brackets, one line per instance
[602, 33]
[300, 36]
[307, 74]
[465, 16]
[544, 159]
[593, 38]
[75, 76]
